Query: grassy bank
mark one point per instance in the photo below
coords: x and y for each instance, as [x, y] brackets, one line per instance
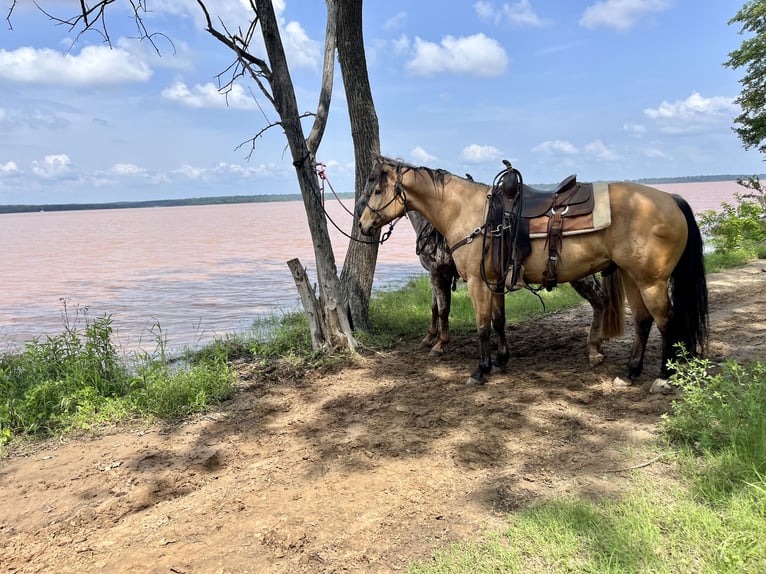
[710, 519]
[77, 380]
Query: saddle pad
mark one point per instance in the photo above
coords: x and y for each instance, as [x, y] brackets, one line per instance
[601, 217]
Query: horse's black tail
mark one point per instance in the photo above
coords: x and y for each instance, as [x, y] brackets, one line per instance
[689, 318]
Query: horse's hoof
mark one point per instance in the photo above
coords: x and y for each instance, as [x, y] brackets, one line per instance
[435, 353]
[474, 382]
[619, 382]
[662, 386]
[499, 368]
[596, 359]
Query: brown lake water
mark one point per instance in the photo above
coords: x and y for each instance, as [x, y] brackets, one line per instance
[198, 272]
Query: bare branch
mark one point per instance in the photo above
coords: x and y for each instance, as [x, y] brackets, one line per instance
[246, 63]
[10, 13]
[252, 140]
[93, 19]
[325, 94]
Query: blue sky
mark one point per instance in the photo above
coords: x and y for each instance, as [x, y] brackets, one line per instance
[607, 89]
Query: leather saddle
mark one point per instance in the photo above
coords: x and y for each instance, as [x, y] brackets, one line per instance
[519, 204]
[574, 197]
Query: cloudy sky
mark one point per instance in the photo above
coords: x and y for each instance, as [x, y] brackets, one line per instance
[607, 89]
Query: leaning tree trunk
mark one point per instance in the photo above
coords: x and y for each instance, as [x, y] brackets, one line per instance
[359, 266]
[332, 303]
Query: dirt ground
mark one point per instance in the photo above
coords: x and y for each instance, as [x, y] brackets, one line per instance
[363, 469]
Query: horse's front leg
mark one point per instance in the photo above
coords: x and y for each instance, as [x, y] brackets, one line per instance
[481, 298]
[498, 324]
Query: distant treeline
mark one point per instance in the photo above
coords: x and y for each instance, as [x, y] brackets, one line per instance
[229, 199]
[223, 200]
[694, 178]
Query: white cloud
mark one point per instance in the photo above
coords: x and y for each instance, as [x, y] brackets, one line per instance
[401, 45]
[693, 106]
[619, 14]
[635, 129]
[599, 150]
[128, 170]
[475, 55]
[34, 115]
[695, 113]
[224, 171]
[485, 10]
[52, 166]
[520, 13]
[422, 156]
[175, 55]
[9, 168]
[301, 51]
[190, 171]
[234, 13]
[396, 21]
[208, 96]
[94, 65]
[475, 153]
[555, 147]
[654, 153]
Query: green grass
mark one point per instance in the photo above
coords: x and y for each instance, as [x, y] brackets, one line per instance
[406, 312]
[722, 260]
[710, 521]
[78, 380]
[651, 528]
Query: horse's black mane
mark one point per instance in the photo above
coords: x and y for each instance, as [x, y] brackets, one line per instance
[438, 176]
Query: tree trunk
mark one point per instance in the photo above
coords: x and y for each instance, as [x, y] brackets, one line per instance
[337, 327]
[359, 266]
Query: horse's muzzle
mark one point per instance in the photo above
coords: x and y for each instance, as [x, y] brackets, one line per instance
[367, 228]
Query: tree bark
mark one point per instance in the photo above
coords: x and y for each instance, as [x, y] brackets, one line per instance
[359, 266]
[338, 329]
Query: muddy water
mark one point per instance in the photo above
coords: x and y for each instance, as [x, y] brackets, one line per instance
[198, 272]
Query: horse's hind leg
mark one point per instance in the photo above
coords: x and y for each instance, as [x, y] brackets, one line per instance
[642, 324]
[433, 330]
[441, 301]
[589, 288]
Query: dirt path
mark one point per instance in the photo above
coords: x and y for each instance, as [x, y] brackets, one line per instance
[364, 469]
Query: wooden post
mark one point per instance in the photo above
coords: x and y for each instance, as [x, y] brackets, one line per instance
[310, 304]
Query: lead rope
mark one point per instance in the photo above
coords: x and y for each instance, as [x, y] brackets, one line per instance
[321, 169]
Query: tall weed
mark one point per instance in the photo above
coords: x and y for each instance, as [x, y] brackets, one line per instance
[722, 414]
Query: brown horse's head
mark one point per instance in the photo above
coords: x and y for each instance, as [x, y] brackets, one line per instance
[383, 199]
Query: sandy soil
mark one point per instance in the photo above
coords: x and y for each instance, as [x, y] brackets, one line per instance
[360, 469]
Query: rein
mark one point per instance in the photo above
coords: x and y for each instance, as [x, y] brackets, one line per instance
[320, 169]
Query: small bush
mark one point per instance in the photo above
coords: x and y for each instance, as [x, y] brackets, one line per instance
[78, 379]
[722, 414]
[741, 226]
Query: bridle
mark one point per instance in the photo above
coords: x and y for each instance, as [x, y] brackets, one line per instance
[399, 194]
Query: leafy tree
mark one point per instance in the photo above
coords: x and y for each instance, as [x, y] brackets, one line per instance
[752, 57]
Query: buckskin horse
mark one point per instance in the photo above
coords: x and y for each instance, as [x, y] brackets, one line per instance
[435, 257]
[650, 251]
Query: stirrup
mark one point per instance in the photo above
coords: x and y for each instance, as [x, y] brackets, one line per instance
[517, 285]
